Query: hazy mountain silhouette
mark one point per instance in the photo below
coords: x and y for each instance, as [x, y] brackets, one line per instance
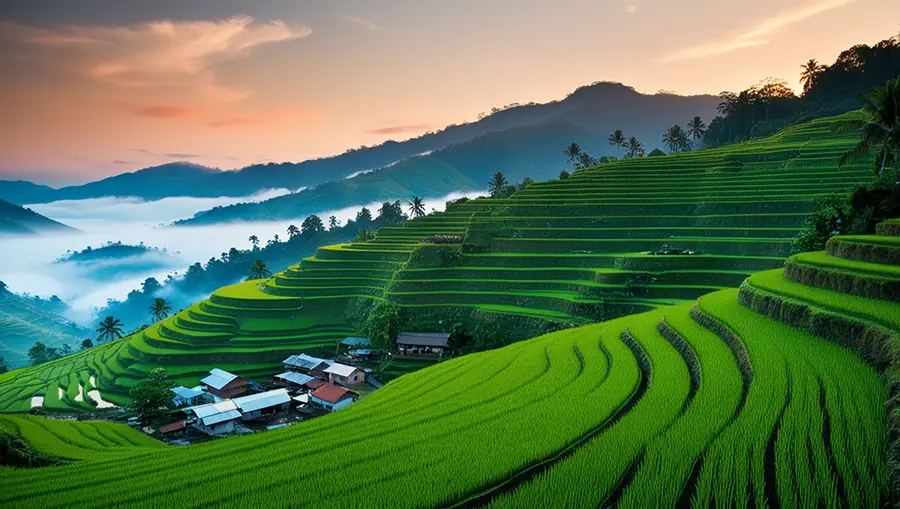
[17, 220]
[597, 109]
[534, 150]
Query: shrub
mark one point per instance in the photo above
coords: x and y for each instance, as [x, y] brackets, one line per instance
[382, 325]
[563, 175]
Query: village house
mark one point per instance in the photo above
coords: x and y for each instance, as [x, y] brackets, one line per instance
[347, 376]
[363, 353]
[292, 379]
[184, 396]
[356, 342]
[215, 418]
[308, 365]
[422, 343]
[225, 385]
[172, 428]
[331, 397]
[264, 404]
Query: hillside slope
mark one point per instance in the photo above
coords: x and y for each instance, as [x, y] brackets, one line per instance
[708, 403]
[15, 220]
[22, 324]
[558, 254]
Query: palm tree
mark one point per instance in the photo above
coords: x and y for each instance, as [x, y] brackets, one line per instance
[634, 148]
[617, 138]
[696, 128]
[259, 270]
[293, 231]
[880, 129]
[110, 328]
[809, 73]
[160, 309]
[585, 160]
[572, 152]
[676, 139]
[416, 207]
[255, 241]
[497, 183]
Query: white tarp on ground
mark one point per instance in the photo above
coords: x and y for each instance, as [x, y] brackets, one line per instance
[37, 401]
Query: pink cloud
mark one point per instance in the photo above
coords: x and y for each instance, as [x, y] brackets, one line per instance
[162, 110]
[399, 129]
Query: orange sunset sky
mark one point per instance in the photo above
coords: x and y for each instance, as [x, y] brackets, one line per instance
[95, 88]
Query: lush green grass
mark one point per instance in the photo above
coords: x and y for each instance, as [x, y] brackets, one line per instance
[705, 403]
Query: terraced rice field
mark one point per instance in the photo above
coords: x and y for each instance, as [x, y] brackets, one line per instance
[709, 403]
[555, 255]
[21, 324]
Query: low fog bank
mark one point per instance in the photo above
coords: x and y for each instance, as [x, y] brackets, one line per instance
[29, 261]
[95, 213]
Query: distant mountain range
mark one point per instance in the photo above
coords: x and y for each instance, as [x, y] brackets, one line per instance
[590, 111]
[533, 147]
[15, 220]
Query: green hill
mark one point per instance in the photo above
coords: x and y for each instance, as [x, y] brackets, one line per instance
[555, 255]
[706, 403]
[22, 324]
[15, 220]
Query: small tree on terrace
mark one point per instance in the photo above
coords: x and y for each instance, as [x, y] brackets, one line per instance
[676, 139]
[498, 183]
[880, 128]
[617, 138]
[634, 148]
[87, 343]
[696, 128]
[259, 270]
[382, 325]
[159, 309]
[572, 152]
[585, 160]
[312, 224]
[152, 396]
[110, 329]
[416, 207]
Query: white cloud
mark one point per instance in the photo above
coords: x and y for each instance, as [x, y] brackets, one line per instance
[631, 9]
[365, 23]
[159, 53]
[758, 34]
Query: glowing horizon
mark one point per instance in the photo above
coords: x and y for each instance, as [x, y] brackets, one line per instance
[92, 92]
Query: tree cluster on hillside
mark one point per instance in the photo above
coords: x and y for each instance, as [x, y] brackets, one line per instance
[499, 186]
[771, 104]
[151, 396]
[111, 249]
[200, 279]
[41, 353]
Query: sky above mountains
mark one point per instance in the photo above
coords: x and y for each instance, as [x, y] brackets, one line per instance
[96, 88]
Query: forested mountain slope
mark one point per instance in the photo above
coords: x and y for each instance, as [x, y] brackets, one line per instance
[557, 254]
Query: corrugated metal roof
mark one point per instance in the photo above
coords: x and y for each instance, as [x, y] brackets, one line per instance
[330, 393]
[222, 417]
[356, 341]
[262, 400]
[218, 378]
[202, 411]
[305, 361]
[184, 392]
[341, 369]
[423, 338]
[294, 377]
[175, 426]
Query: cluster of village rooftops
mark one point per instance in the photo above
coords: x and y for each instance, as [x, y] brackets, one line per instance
[223, 400]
